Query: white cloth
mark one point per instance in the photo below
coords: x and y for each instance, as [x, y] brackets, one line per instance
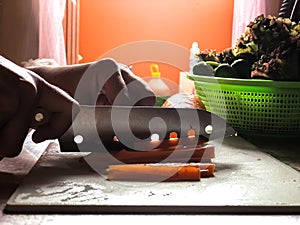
[51, 33]
[245, 11]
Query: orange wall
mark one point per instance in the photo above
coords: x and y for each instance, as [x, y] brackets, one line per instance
[105, 25]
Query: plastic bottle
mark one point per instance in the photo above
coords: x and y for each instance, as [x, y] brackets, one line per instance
[194, 59]
[159, 87]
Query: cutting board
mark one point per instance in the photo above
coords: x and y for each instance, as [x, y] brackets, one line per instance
[246, 181]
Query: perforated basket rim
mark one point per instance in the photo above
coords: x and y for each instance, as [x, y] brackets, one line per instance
[246, 82]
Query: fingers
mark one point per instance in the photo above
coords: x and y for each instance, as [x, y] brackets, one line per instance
[17, 98]
[110, 81]
[102, 100]
[8, 104]
[21, 92]
[57, 125]
[116, 91]
[14, 131]
[121, 86]
[138, 89]
[63, 110]
[107, 77]
[9, 95]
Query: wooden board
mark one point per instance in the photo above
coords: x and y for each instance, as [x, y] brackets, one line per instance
[246, 181]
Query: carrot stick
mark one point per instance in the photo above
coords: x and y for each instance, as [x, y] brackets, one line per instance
[199, 154]
[160, 172]
[144, 172]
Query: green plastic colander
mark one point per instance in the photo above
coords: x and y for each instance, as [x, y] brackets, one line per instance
[253, 107]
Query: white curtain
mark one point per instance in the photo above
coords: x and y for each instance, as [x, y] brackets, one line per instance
[51, 33]
[246, 10]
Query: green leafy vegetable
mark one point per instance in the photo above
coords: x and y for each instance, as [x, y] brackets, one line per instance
[270, 45]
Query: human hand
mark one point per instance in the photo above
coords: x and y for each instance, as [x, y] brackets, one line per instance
[104, 82]
[21, 92]
[126, 88]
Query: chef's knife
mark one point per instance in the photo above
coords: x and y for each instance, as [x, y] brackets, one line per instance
[112, 128]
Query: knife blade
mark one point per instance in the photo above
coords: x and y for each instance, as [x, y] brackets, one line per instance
[112, 128]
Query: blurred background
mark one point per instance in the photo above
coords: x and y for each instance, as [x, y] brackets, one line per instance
[73, 31]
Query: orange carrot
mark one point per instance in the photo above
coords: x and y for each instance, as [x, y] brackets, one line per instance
[197, 154]
[160, 172]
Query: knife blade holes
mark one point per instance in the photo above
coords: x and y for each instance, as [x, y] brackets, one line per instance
[78, 139]
[173, 135]
[209, 129]
[191, 133]
[154, 137]
[115, 139]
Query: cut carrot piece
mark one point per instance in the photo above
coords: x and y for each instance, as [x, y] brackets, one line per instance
[159, 172]
[197, 154]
